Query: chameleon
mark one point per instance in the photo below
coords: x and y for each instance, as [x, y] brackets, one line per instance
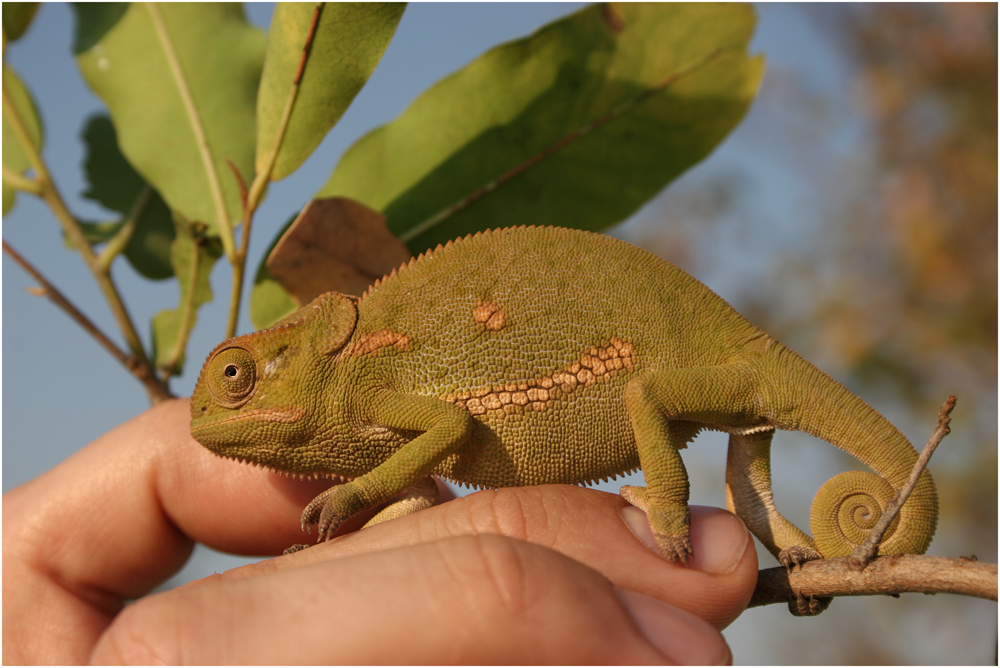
[535, 355]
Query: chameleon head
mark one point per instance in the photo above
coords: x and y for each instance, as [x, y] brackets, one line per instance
[259, 396]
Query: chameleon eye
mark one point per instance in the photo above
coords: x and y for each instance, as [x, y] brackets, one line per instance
[232, 376]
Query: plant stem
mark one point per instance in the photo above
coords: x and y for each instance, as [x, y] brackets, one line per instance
[263, 177]
[169, 368]
[20, 181]
[157, 390]
[50, 194]
[116, 245]
[204, 150]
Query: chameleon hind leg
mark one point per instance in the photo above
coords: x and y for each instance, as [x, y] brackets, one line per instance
[749, 495]
[421, 495]
[666, 406]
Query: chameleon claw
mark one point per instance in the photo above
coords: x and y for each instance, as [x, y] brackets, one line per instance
[796, 555]
[674, 548]
[808, 606]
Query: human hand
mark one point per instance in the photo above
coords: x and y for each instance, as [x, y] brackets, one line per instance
[547, 574]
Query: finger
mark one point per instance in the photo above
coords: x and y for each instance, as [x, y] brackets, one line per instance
[116, 519]
[594, 528]
[467, 600]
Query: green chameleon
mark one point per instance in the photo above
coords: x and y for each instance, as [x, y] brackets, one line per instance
[534, 355]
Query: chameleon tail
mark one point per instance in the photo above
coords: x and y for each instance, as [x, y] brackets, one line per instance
[848, 505]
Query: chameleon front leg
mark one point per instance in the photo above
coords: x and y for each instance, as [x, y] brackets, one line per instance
[662, 405]
[445, 428]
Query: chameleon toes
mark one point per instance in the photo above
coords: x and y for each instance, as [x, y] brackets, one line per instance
[329, 521]
[312, 512]
[796, 555]
[808, 606]
[674, 548]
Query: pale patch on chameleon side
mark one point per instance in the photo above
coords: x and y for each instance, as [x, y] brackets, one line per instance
[369, 343]
[537, 394]
[489, 315]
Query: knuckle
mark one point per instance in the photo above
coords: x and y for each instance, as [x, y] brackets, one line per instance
[497, 570]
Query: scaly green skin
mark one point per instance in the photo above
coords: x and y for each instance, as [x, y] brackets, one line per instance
[527, 356]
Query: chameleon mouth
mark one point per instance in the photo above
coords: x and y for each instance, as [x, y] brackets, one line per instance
[295, 475]
[282, 416]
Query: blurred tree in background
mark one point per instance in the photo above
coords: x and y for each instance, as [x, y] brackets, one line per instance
[919, 230]
[888, 279]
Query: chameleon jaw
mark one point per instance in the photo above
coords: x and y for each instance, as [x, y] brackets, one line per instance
[287, 473]
[288, 415]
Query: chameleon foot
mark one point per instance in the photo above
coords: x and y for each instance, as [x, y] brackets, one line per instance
[298, 547]
[312, 512]
[329, 521]
[325, 512]
[796, 555]
[674, 548]
[671, 528]
[808, 606]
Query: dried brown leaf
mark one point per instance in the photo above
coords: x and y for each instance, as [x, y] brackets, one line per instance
[334, 244]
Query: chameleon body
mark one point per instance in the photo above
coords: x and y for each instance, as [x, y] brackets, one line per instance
[535, 355]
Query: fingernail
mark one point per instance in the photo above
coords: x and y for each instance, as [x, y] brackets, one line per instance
[719, 540]
[638, 524]
[682, 638]
[718, 537]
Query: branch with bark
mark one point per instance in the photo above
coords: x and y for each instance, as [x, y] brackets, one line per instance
[808, 587]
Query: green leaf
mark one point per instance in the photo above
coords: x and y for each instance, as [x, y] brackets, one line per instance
[269, 301]
[349, 41]
[193, 256]
[16, 18]
[14, 157]
[577, 125]
[118, 187]
[96, 233]
[125, 61]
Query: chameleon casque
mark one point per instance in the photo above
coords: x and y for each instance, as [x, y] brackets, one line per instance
[535, 355]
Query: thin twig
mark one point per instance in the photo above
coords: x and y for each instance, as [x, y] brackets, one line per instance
[887, 575]
[867, 550]
[573, 136]
[116, 245]
[169, 368]
[194, 118]
[20, 181]
[157, 391]
[264, 177]
[74, 232]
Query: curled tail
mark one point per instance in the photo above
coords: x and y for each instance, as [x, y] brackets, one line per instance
[848, 505]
